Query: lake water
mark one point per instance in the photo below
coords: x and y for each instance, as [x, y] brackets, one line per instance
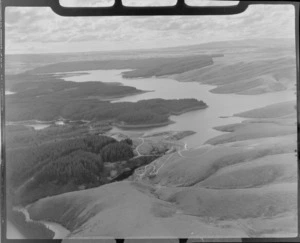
[59, 231]
[200, 121]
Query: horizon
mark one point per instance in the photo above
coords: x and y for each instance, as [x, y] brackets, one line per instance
[149, 49]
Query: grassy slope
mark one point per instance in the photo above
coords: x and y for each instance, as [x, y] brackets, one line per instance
[253, 130]
[247, 187]
[270, 121]
[247, 72]
[198, 166]
[253, 173]
[272, 111]
[265, 201]
[123, 209]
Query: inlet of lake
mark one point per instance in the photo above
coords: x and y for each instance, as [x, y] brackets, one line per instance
[220, 110]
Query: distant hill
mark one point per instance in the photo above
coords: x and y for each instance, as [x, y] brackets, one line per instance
[22, 62]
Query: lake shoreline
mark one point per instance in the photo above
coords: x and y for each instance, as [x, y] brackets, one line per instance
[188, 110]
[116, 97]
[32, 123]
[58, 230]
[141, 126]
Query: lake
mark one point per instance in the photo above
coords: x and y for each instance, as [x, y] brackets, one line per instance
[200, 121]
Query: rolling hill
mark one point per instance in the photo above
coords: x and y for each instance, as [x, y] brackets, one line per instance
[241, 188]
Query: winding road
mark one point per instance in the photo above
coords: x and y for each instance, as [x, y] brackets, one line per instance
[137, 148]
[153, 169]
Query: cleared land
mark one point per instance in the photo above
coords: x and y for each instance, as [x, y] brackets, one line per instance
[282, 110]
[248, 69]
[245, 188]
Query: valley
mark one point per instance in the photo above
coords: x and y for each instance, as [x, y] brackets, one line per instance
[195, 146]
[246, 187]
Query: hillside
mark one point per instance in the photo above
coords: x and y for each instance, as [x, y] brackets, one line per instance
[241, 188]
[248, 68]
[282, 110]
[129, 210]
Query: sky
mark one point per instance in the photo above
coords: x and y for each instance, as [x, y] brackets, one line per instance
[40, 30]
